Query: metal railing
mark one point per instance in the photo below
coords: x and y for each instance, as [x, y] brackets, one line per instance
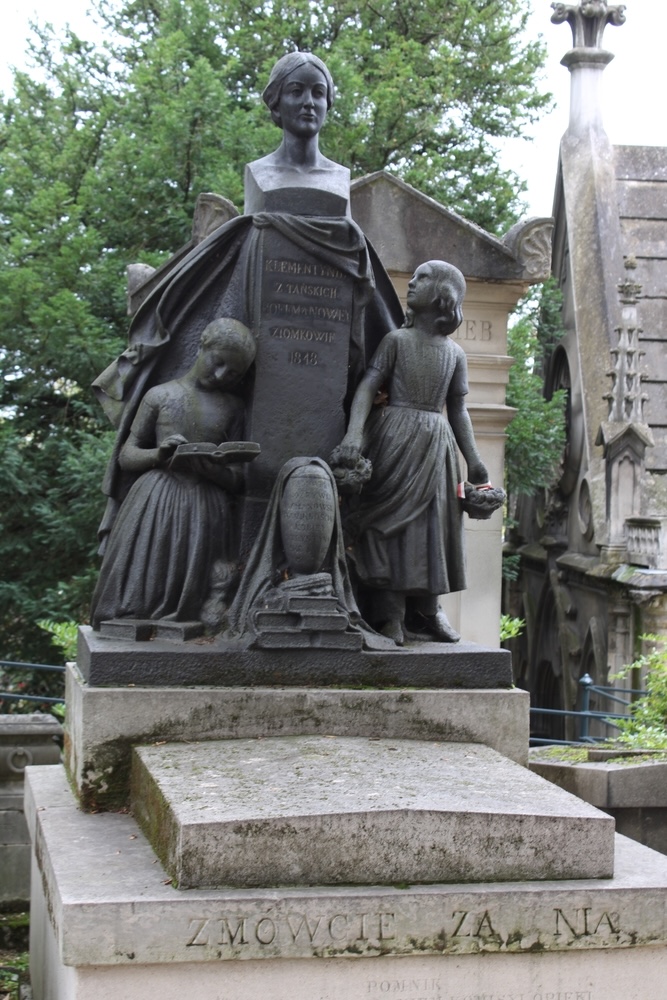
[585, 715]
[10, 665]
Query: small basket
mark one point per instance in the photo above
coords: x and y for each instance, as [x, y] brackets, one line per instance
[481, 504]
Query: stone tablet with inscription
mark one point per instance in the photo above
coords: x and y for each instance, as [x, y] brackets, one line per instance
[303, 334]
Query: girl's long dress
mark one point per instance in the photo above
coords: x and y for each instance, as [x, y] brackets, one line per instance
[170, 530]
[408, 527]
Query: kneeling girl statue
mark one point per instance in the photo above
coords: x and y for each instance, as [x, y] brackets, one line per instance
[174, 535]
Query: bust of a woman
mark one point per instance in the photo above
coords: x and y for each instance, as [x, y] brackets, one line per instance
[297, 178]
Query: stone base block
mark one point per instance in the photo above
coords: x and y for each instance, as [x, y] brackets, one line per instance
[15, 877]
[106, 922]
[24, 740]
[109, 662]
[605, 784]
[103, 724]
[635, 794]
[299, 810]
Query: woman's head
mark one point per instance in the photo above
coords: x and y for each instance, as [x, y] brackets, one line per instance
[287, 68]
[440, 286]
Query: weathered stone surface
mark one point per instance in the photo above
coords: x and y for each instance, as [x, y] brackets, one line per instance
[105, 723]
[111, 907]
[105, 662]
[14, 847]
[339, 810]
[634, 794]
[12, 826]
[619, 975]
[24, 740]
[608, 785]
[15, 880]
[406, 227]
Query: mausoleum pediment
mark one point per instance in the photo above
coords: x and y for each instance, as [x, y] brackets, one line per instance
[407, 227]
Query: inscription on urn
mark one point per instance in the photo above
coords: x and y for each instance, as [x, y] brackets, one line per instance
[307, 516]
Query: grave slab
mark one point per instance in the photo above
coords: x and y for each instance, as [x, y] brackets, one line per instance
[328, 810]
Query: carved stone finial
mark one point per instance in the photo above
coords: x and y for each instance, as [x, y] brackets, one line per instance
[629, 291]
[626, 399]
[588, 19]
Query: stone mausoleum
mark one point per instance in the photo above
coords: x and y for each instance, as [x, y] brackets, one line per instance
[593, 548]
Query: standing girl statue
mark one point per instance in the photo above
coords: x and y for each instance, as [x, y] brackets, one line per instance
[407, 530]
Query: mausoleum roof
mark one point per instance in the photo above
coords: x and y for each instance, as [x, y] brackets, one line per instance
[407, 227]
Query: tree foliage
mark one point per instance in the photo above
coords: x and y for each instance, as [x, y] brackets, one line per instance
[103, 152]
[536, 436]
[646, 728]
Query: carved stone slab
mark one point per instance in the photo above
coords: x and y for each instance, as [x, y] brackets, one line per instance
[329, 810]
[105, 723]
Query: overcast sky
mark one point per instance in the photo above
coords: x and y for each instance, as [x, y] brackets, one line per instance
[634, 84]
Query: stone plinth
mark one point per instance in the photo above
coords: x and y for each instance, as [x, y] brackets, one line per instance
[14, 848]
[160, 662]
[107, 922]
[321, 810]
[103, 724]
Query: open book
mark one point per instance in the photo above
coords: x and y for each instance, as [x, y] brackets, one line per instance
[226, 453]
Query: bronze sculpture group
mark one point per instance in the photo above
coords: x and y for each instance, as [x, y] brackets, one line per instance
[289, 307]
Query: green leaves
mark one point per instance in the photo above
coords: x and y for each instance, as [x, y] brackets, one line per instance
[50, 506]
[536, 436]
[646, 728]
[423, 89]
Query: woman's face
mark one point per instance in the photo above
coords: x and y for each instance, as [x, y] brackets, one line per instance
[302, 107]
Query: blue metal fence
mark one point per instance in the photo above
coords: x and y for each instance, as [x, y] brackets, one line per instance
[618, 696]
[10, 665]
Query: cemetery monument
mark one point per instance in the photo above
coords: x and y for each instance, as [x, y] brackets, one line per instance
[287, 777]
